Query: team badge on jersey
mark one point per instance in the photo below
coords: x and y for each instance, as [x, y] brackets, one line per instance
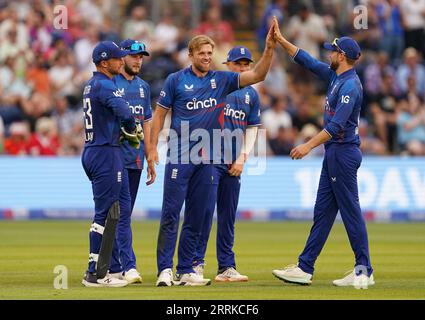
[213, 84]
[142, 92]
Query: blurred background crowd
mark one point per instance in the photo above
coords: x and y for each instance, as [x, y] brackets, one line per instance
[43, 68]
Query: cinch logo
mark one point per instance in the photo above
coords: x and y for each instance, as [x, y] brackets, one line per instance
[195, 104]
[136, 109]
[237, 114]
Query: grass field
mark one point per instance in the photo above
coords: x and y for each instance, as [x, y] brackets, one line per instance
[30, 250]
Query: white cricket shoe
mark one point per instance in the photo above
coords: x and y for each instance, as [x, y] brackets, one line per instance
[90, 280]
[199, 269]
[293, 274]
[230, 275]
[351, 279]
[191, 279]
[165, 278]
[117, 275]
[133, 276]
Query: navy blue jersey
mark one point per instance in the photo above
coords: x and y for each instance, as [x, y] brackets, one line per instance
[343, 100]
[242, 109]
[104, 110]
[137, 93]
[196, 103]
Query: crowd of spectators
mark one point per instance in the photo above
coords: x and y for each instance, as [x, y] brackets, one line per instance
[43, 68]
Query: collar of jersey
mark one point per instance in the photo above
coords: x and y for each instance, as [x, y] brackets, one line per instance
[124, 78]
[347, 73]
[100, 74]
[191, 71]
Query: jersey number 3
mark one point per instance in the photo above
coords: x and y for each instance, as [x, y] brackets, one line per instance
[87, 113]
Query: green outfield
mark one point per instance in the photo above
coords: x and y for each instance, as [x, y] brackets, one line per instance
[30, 251]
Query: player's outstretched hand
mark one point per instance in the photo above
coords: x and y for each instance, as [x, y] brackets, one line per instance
[300, 151]
[270, 39]
[276, 31]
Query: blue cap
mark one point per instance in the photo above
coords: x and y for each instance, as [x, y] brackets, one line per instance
[134, 46]
[346, 45]
[106, 50]
[239, 53]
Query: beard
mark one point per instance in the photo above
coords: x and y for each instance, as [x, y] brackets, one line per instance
[201, 67]
[131, 71]
[334, 65]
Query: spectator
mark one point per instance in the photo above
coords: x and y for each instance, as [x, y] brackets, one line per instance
[390, 24]
[383, 110]
[1, 135]
[221, 50]
[44, 141]
[370, 145]
[215, 27]
[16, 143]
[35, 107]
[307, 30]
[13, 90]
[411, 127]
[276, 117]
[70, 125]
[83, 50]
[374, 73]
[138, 27]
[303, 116]
[411, 67]
[276, 8]
[413, 15]
[283, 143]
[11, 46]
[61, 76]
[276, 84]
[166, 34]
[307, 132]
[37, 75]
[12, 22]
[91, 11]
[40, 31]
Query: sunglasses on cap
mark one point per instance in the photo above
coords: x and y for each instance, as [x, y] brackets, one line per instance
[136, 47]
[335, 44]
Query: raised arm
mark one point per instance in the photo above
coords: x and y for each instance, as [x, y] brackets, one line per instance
[320, 69]
[258, 73]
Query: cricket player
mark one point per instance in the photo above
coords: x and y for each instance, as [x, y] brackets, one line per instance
[196, 96]
[241, 117]
[338, 188]
[137, 94]
[106, 116]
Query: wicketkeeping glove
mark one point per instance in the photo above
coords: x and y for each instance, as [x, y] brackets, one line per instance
[133, 138]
